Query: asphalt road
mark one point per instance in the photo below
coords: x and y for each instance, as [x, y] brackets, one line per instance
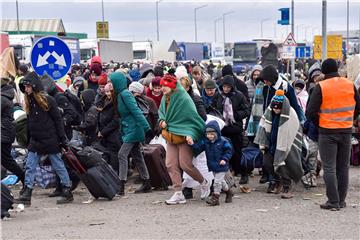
[255, 215]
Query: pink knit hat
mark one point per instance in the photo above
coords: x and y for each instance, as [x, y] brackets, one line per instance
[108, 87]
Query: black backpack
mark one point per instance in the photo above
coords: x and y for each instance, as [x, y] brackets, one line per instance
[75, 102]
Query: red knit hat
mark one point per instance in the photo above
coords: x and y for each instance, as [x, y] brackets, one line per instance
[102, 80]
[168, 81]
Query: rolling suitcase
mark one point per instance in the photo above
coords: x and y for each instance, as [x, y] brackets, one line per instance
[154, 156]
[100, 180]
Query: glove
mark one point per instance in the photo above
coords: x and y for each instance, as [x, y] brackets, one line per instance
[64, 143]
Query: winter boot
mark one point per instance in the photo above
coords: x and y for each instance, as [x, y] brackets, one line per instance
[57, 192]
[286, 194]
[145, 187]
[25, 196]
[66, 196]
[229, 195]
[121, 188]
[244, 179]
[213, 200]
[188, 193]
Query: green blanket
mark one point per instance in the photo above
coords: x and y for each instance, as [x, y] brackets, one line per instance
[181, 116]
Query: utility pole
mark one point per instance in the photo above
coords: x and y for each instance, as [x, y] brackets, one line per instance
[103, 18]
[324, 32]
[157, 19]
[17, 17]
[224, 14]
[292, 31]
[215, 21]
[195, 9]
[347, 27]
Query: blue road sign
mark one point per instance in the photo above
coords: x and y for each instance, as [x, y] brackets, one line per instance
[303, 52]
[51, 55]
[285, 16]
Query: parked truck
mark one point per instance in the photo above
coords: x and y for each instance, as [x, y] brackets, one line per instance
[107, 49]
[23, 44]
[152, 51]
[193, 51]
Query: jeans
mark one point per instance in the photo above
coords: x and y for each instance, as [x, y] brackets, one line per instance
[137, 157]
[335, 150]
[56, 163]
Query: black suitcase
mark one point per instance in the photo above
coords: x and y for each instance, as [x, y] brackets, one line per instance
[101, 181]
[7, 200]
[154, 156]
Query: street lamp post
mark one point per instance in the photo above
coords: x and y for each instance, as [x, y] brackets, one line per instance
[262, 21]
[347, 27]
[157, 19]
[292, 31]
[224, 14]
[103, 18]
[195, 20]
[324, 33]
[17, 17]
[215, 21]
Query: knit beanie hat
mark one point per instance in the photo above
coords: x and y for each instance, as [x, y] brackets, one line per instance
[96, 68]
[33, 80]
[329, 66]
[134, 74]
[299, 83]
[228, 80]
[278, 99]
[136, 87]
[103, 79]
[314, 70]
[108, 87]
[227, 70]
[155, 82]
[181, 72]
[78, 81]
[210, 84]
[270, 74]
[209, 129]
[168, 81]
[158, 71]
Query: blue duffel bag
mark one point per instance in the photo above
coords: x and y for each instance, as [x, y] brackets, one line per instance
[251, 158]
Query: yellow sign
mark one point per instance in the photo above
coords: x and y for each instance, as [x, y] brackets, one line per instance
[334, 47]
[102, 29]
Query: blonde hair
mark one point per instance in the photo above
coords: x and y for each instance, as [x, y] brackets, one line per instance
[40, 99]
[185, 82]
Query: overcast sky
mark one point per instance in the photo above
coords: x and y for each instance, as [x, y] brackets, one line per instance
[136, 20]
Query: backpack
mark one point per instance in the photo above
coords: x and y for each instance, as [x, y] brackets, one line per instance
[75, 102]
[251, 158]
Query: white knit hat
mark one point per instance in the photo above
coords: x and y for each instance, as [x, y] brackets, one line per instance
[181, 72]
[136, 87]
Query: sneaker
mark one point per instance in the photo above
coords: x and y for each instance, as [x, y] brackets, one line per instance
[205, 189]
[263, 179]
[306, 181]
[177, 198]
[244, 179]
[286, 194]
[313, 180]
[328, 206]
[270, 188]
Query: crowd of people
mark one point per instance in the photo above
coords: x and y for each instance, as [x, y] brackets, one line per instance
[196, 109]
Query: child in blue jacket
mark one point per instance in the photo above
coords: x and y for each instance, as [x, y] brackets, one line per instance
[218, 152]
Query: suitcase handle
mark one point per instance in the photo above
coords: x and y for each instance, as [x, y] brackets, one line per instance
[73, 161]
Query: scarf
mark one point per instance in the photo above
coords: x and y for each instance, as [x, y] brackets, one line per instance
[302, 98]
[289, 140]
[256, 111]
[228, 112]
[181, 116]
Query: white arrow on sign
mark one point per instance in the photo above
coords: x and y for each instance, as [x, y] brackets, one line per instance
[60, 60]
[42, 60]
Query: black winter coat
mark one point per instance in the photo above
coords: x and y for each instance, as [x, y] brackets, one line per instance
[70, 117]
[241, 107]
[7, 115]
[45, 128]
[199, 104]
[108, 123]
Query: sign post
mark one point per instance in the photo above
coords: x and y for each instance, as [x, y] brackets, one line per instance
[51, 56]
[289, 47]
[102, 29]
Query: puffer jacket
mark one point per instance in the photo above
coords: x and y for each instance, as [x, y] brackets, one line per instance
[89, 124]
[220, 149]
[7, 117]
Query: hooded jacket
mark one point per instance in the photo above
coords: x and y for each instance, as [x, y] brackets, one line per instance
[251, 83]
[239, 84]
[133, 123]
[88, 125]
[220, 149]
[199, 104]
[7, 118]
[240, 105]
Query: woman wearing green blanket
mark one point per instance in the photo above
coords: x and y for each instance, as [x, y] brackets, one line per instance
[180, 124]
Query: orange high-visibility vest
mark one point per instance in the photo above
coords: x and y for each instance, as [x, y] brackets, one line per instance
[338, 103]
